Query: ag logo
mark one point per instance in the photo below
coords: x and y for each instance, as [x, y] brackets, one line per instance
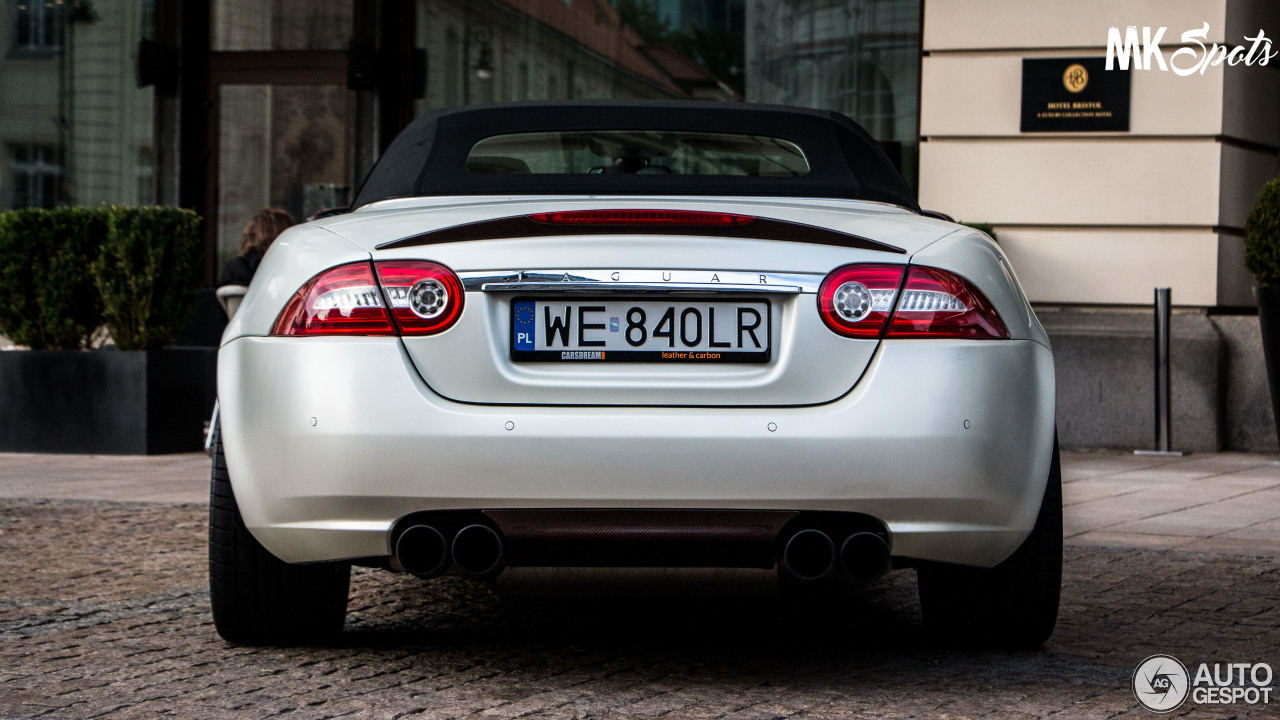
[1161, 683]
[1075, 78]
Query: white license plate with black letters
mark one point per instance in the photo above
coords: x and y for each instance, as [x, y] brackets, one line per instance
[620, 330]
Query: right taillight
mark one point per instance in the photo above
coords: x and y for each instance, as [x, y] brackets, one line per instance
[872, 301]
[855, 300]
[939, 304]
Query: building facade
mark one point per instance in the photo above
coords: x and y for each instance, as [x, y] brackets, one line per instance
[1094, 218]
[1164, 201]
[76, 127]
[228, 106]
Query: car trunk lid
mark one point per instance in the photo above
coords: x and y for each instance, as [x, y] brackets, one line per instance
[685, 319]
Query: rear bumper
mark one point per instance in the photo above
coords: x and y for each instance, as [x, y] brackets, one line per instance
[330, 440]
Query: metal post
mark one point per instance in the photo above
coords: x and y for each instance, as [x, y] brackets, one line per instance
[1163, 404]
[1163, 412]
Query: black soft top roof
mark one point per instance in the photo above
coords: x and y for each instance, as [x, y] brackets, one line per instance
[429, 156]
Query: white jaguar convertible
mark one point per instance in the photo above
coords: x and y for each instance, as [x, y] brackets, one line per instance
[636, 335]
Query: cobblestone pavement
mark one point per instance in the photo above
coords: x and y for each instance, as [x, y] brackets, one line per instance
[104, 612]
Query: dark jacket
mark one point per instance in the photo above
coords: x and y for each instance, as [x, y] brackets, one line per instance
[239, 270]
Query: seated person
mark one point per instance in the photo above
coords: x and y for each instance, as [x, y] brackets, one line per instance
[261, 230]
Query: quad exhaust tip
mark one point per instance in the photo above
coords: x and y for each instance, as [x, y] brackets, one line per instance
[811, 555]
[865, 556]
[423, 551]
[478, 551]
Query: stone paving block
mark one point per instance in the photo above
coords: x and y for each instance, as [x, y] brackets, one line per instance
[1228, 544]
[1078, 464]
[1142, 504]
[122, 629]
[1210, 518]
[1098, 488]
[1145, 541]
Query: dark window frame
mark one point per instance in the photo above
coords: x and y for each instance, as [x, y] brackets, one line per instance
[41, 163]
[43, 16]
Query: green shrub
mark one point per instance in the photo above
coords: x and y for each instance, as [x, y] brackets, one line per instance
[1262, 235]
[148, 271]
[48, 299]
[987, 228]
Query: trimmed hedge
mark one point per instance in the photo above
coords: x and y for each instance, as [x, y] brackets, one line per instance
[48, 299]
[1262, 236]
[66, 271]
[148, 270]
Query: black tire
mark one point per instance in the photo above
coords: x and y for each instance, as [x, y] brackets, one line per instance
[257, 598]
[1013, 605]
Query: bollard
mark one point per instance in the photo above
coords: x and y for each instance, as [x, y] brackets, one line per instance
[1164, 395]
[1163, 412]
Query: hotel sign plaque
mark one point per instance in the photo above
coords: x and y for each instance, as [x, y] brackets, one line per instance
[1074, 95]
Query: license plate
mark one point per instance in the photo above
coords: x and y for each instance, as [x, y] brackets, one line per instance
[614, 330]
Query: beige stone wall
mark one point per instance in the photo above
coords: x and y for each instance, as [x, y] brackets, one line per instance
[1102, 218]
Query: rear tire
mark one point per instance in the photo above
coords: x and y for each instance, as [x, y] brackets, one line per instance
[1013, 605]
[257, 598]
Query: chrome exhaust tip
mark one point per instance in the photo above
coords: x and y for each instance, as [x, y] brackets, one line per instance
[423, 551]
[478, 551]
[865, 556]
[809, 555]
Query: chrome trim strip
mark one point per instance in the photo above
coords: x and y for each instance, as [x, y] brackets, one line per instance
[639, 280]
[637, 287]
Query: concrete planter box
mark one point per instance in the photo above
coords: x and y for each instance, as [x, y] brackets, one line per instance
[106, 402]
[1104, 361]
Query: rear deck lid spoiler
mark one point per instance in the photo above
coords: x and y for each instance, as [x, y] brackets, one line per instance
[643, 222]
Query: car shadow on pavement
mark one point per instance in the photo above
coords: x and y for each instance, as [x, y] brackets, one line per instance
[399, 610]
[865, 639]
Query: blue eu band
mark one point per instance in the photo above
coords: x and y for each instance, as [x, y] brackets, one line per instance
[525, 325]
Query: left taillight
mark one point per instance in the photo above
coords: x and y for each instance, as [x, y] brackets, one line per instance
[344, 300]
[425, 298]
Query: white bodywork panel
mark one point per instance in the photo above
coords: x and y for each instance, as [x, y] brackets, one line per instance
[947, 442]
[330, 440]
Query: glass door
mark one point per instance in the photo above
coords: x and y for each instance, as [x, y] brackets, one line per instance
[280, 114]
[283, 146]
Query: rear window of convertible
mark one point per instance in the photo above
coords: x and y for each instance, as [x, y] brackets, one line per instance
[640, 152]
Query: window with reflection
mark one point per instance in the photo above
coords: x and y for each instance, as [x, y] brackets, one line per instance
[281, 24]
[35, 173]
[858, 57]
[37, 26]
[638, 152]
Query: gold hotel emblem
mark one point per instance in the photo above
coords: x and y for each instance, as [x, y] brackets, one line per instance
[1075, 78]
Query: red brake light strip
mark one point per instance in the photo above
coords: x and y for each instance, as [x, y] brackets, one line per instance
[640, 217]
